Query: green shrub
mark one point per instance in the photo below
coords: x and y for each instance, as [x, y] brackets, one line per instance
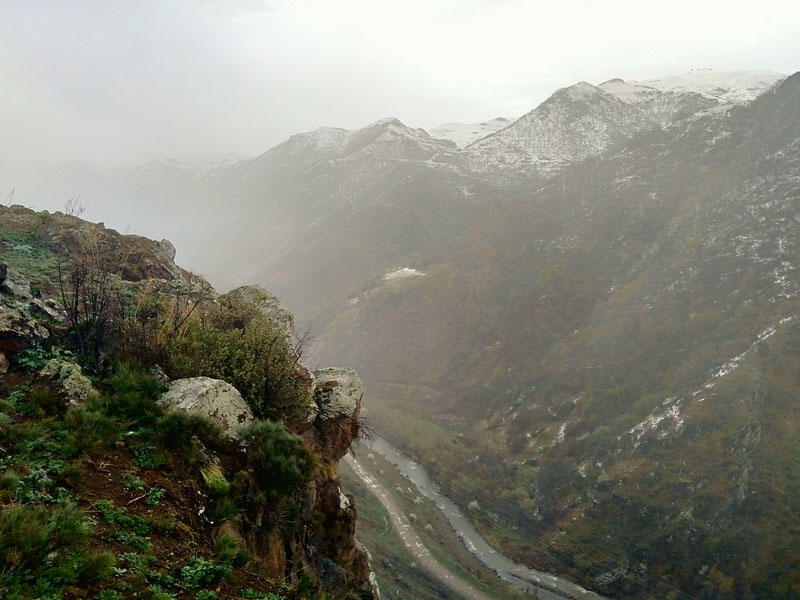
[147, 457]
[249, 594]
[119, 517]
[156, 592]
[183, 433]
[133, 395]
[47, 547]
[35, 358]
[94, 566]
[279, 461]
[154, 496]
[45, 401]
[229, 552]
[89, 427]
[205, 595]
[108, 595]
[131, 481]
[134, 540]
[223, 508]
[242, 347]
[200, 571]
[138, 563]
[215, 480]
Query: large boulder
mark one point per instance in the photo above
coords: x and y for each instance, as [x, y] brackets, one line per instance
[72, 383]
[15, 285]
[335, 410]
[337, 392]
[48, 308]
[214, 399]
[18, 330]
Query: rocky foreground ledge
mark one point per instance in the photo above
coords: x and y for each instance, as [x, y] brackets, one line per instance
[31, 314]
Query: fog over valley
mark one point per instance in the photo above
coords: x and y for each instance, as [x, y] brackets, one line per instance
[551, 251]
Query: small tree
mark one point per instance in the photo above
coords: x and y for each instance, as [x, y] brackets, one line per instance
[90, 289]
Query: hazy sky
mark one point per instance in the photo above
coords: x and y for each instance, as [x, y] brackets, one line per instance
[113, 82]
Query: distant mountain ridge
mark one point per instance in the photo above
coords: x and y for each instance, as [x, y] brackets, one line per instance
[463, 134]
[592, 307]
[574, 123]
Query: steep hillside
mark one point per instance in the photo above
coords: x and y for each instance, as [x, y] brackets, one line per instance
[583, 120]
[593, 307]
[608, 343]
[130, 466]
[575, 122]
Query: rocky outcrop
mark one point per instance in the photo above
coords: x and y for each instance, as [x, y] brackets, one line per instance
[74, 386]
[268, 305]
[18, 330]
[16, 286]
[337, 394]
[3, 364]
[18, 327]
[48, 308]
[320, 542]
[212, 398]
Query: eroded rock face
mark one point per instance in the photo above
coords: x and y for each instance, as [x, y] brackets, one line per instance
[15, 285]
[3, 364]
[18, 330]
[211, 398]
[166, 250]
[73, 384]
[336, 393]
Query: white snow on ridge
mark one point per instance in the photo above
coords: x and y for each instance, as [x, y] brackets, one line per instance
[726, 87]
[463, 134]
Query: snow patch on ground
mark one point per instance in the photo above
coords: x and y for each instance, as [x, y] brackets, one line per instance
[390, 277]
[654, 420]
[344, 501]
[402, 273]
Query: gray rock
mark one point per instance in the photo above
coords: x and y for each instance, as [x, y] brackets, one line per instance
[166, 250]
[212, 398]
[18, 330]
[17, 286]
[268, 305]
[3, 363]
[157, 372]
[3, 272]
[48, 308]
[75, 386]
[337, 392]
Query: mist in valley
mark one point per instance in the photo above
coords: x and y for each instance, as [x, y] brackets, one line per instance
[559, 243]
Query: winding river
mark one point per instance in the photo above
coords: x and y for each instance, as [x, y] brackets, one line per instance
[540, 584]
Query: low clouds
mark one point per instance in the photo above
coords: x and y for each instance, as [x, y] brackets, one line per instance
[115, 83]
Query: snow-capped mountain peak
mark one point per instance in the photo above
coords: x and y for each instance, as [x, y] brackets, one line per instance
[582, 119]
[575, 122]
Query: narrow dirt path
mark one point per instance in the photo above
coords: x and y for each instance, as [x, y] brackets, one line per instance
[412, 541]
